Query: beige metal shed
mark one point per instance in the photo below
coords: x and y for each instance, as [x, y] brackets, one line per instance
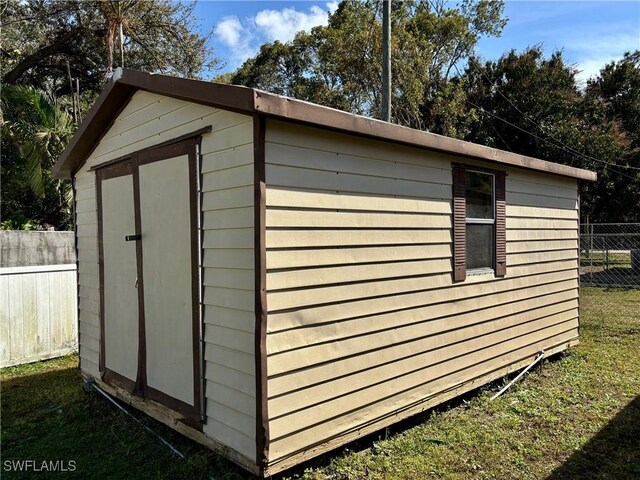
[275, 278]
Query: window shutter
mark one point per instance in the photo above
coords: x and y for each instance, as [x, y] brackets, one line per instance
[501, 236]
[459, 225]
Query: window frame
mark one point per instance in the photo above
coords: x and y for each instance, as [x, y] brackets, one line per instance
[459, 216]
[483, 221]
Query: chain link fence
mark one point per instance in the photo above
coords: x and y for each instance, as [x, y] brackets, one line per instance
[610, 255]
[610, 262]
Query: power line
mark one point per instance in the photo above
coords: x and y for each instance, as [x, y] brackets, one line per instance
[569, 149]
[610, 165]
[559, 144]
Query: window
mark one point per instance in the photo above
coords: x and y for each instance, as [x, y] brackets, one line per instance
[480, 219]
[479, 222]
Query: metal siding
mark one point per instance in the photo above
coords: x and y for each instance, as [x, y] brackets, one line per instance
[364, 317]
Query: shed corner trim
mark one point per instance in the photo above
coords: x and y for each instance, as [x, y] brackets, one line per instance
[260, 292]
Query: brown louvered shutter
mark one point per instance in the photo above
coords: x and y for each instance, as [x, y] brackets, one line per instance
[459, 225]
[501, 220]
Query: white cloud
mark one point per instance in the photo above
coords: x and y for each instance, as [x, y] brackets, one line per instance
[284, 24]
[596, 49]
[228, 31]
[332, 6]
[589, 68]
[244, 37]
[604, 43]
[539, 11]
[237, 38]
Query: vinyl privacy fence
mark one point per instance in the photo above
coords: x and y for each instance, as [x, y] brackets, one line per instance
[38, 306]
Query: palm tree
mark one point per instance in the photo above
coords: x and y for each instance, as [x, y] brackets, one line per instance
[115, 13]
[36, 124]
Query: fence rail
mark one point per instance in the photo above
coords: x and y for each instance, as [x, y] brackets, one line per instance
[38, 312]
[610, 255]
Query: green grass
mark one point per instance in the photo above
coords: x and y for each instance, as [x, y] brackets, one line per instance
[616, 257]
[576, 418]
[46, 415]
[598, 260]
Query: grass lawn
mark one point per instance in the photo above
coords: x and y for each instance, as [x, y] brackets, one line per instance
[576, 418]
[621, 258]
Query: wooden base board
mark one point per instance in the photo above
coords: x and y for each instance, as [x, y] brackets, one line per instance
[174, 420]
[397, 416]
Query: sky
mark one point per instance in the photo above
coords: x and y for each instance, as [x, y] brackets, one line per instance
[590, 33]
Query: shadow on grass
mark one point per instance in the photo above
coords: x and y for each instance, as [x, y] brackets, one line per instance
[614, 453]
[48, 417]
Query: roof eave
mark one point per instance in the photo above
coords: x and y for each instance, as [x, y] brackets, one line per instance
[115, 95]
[309, 113]
[101, 112]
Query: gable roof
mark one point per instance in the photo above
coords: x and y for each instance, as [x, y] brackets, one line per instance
[117, 93]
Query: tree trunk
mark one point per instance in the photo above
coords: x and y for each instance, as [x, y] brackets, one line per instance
[59, 45]
[121, 47]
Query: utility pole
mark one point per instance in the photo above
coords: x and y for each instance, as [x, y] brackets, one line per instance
[386, 60]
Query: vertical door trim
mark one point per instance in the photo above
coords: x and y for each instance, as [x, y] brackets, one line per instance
[140, 388]
[201, 271]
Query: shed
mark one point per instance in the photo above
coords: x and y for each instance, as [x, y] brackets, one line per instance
[275, 278]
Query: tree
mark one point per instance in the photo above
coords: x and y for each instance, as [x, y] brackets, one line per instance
[339, 65]
[158, 35]
[35, 130]
[617, 89]
[116, 13]
[613, 98]
[46, 43]
[521, 93]
[529, 104]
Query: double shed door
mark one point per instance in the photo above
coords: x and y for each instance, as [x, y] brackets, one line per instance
[149, 276]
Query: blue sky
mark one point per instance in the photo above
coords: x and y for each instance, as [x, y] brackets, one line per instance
[591, 33]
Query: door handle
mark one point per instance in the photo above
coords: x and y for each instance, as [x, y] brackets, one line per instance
[131, 238]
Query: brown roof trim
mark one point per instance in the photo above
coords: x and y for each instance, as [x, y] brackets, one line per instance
[92, 128]
[116, 94]
[297, 110]
[249, 101]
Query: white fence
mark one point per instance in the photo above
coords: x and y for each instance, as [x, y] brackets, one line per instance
[38, 313]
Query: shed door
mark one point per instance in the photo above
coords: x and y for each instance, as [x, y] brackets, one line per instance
[151, 328]
[167, 235]
[120, 343]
